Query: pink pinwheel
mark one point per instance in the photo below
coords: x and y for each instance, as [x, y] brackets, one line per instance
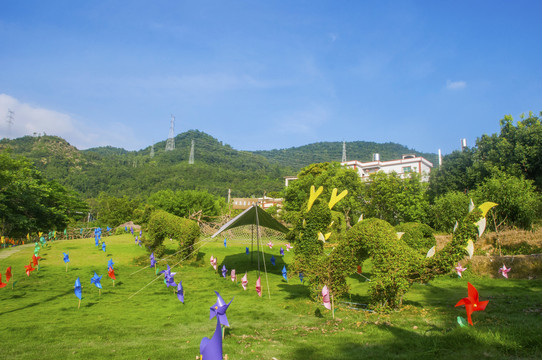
[270, 244]
[233, 276]
[244, 281]
[504, 271]
[259, 287]
[288, 247]
[459, 269]
[214, 262]
[325, 297]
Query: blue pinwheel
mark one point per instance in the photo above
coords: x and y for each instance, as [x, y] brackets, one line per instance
[103, 246]
[272, 260]
[246, 250]
[285, 273]
[78, 291]
[225, 242]
[301, 276]
[110, 264]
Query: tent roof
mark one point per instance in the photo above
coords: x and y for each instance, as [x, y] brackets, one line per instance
[254, 215]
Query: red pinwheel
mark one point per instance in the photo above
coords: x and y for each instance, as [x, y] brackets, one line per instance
[111, 273]
[472, 303]
[8, 274]
[29, 269]
[35, 259]
[1, 283]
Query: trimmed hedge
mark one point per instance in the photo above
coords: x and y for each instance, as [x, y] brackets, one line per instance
[418, 236]
[163, 225]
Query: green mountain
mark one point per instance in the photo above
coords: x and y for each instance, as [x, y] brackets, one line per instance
[217, 167]
[299, 157]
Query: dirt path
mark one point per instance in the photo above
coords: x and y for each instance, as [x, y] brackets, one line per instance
[4, 254]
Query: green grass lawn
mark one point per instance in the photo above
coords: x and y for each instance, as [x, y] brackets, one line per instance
[40, 319]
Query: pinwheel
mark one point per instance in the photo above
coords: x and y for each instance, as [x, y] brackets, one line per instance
[259, 287]
[214, 262]
[325, 297]
[111, 274]
[504, 271]
[272, 260]
[431, 252]
[225, 242]
[459, 269]
[359, 269]
[29, 269]
[103, 246]
[180, 292]
[246, 250]
[470, 248]
[211, 349]
[472, 302]
[1, 283]
[153, 261]
[140, 232]
[110, 264]
[35, 260]
[281, 252]
[96, 280]
[224, 271]
[270, 244]
[8, 276]
[168, 277]
[288, 247]
[132, 230]
[78, 291]
[244, 281]
[96, 241]
[233, 276]
[284, 273]
[135, 240]
[301, 276]
[219, 310]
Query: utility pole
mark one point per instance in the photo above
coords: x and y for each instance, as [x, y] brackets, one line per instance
[170, 143]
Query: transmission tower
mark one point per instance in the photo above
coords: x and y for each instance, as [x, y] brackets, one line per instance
[152, 151]
[344, 152]
[9, 119]
[170, 143]
[191, 158]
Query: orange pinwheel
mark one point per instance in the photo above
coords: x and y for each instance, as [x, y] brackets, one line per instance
[29, 269]
[35, 259]
[472, 303]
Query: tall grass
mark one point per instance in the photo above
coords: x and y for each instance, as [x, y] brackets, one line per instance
[40, 319]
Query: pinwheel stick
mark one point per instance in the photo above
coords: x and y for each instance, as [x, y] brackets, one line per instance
[66, 267]
[99, 292]
[332, 307]
[79, 306]
[113, 282]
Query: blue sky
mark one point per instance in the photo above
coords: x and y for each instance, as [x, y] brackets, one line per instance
[268, 74]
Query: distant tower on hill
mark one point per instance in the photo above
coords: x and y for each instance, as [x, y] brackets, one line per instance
[152, 151]
[191, 158]
[9, 120]
[344, 152]
[170, 143]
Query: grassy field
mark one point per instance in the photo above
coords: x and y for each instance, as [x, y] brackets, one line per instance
[40, 319]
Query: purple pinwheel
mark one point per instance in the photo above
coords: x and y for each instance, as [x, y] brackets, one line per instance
[212, 348]
[168, 277]
[153, 261]
[135, 240]
[132, 230]
[281, 252]
[224, 271]
[219, 310]
[180, 292]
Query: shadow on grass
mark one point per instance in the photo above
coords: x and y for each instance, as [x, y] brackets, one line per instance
[38, 303]
[297, 291]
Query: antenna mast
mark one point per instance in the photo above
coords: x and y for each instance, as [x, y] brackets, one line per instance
[9, 119]
[191, 158]
[344, 152]
[152, 151]
[170, 143]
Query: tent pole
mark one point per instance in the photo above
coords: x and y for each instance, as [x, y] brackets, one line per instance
[258, 240]
[252, 246]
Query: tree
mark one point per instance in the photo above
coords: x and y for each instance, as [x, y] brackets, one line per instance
[29, 203]
[396, 200]
[449, 209]
[113, 211]
[519, 203]
[185, 203]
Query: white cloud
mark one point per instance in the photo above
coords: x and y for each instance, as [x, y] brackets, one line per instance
[29, 119]
[455, 85]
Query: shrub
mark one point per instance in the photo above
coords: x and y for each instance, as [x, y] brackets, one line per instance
[447, 209]
[418, 236]
[163, 225]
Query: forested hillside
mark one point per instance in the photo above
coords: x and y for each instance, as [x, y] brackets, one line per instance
[299, 157]
[217, 167]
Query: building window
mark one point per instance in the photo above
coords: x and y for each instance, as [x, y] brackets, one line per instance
[407, 169]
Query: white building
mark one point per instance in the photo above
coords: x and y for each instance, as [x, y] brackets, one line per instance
[405, 166]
